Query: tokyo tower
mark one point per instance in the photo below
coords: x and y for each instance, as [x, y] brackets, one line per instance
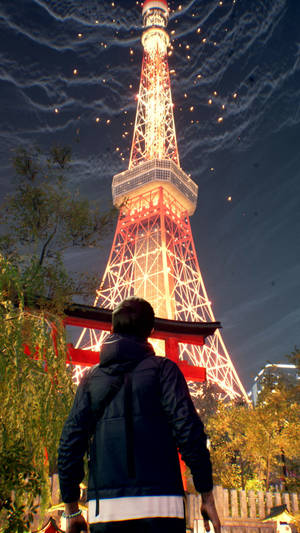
[153, 254]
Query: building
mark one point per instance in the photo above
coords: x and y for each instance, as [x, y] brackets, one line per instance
[270, 372]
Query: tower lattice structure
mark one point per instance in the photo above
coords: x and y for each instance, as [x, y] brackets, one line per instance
[153, 254]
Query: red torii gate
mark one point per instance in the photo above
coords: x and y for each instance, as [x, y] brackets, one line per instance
[172, 332]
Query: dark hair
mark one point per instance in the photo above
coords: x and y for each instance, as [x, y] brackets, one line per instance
[134, 316]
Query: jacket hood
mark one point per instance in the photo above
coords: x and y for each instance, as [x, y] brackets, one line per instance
[121, 352]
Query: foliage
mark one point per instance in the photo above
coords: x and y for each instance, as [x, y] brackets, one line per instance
[41, 220]
[254, 483]
[206, 400]
[294, 357]
[278, 417]
[257, 447]
[227, 433]
[44, 218]
[35, 396]
[19, 485]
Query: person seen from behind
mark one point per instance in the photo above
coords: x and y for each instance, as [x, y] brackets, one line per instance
[131, 414]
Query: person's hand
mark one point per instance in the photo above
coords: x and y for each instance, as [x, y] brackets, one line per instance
[209, 512]
[76, 524]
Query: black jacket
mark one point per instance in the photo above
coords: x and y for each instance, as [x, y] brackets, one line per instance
[138, 410]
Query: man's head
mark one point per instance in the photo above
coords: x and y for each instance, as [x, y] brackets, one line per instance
[134, 316]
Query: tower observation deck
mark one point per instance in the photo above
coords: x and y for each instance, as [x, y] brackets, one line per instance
[154, 159]
[153, 254]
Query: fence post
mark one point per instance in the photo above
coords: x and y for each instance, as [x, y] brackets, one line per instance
[252, 504]
[234, 503]
[269, 501]
[189, 522]
[55, 491]
[286, 500]
[261, 505]
[192, 506]
[219, 499]
[277, 498]
[243, 504]
[294, 503]
[226, 503]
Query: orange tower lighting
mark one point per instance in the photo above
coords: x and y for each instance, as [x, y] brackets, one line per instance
[153, 254]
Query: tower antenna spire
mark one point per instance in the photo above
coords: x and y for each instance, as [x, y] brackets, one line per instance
[154, 131]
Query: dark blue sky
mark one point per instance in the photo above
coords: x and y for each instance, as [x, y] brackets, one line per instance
[65, 64]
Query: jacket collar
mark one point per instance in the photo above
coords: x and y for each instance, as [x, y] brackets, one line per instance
[122, 349]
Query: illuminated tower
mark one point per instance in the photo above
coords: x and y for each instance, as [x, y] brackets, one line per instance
[153, 254]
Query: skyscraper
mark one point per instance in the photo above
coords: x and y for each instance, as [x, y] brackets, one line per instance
[153, 254]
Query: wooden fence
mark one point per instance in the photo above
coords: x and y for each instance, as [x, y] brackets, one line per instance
[241, 511]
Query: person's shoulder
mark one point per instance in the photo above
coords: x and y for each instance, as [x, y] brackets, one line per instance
[89, 374]
[152, 360]
[160, 363]
[165, 363]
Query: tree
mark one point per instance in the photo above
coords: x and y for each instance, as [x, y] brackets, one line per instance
[294, 357]
[228, 434]
[41, 220]
[44, 218]
[253, 448]
[35, 396]
[276, 432]
[206, 400]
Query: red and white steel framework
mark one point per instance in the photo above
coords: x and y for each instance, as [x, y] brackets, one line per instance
[153, 254]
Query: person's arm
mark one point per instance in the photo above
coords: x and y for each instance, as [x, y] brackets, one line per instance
[209, 512]
[190, 437]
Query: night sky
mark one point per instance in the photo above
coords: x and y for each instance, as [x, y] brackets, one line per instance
[69, 73]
